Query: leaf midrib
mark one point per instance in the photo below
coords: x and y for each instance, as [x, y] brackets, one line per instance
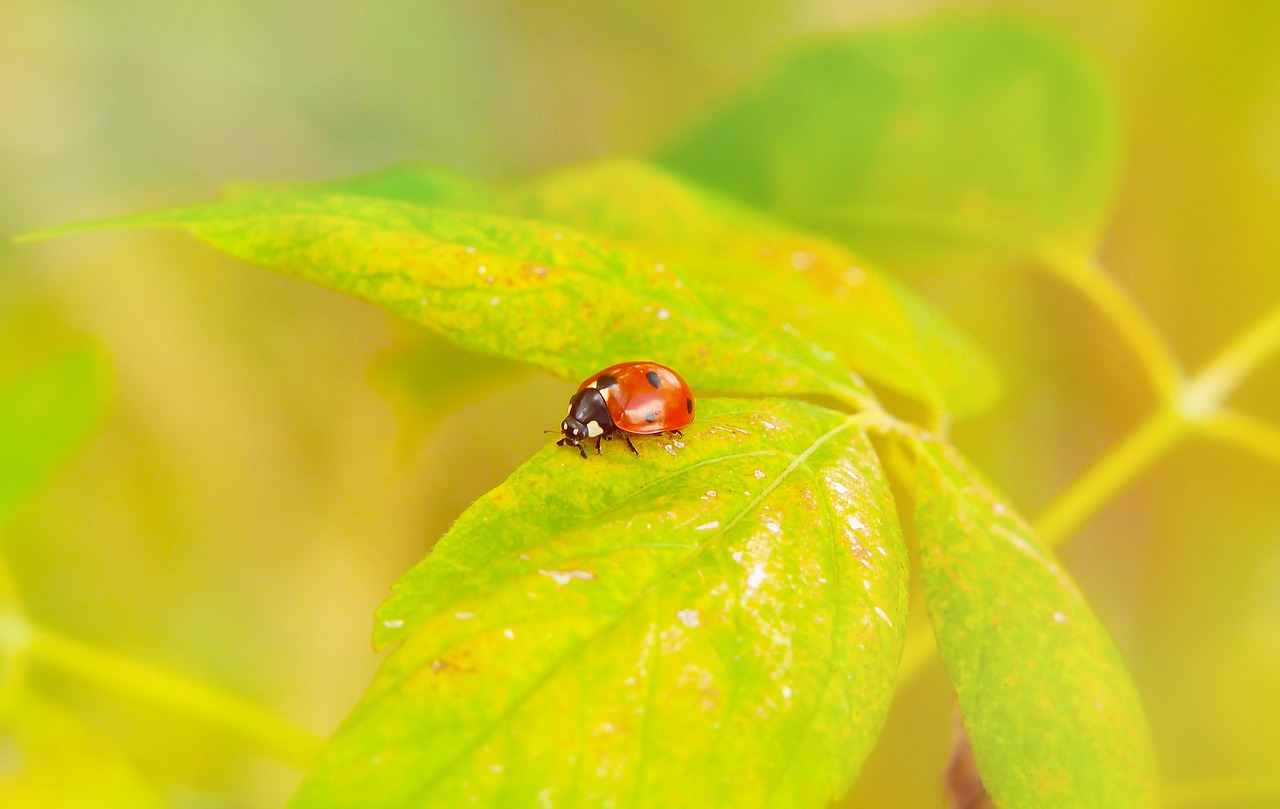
[613, 621]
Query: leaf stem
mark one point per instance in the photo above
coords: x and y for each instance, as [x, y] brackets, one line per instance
[1197, 403]
[264, 730]
[1234, 364]
[1197, 406]
[1108, 476]
[1245, 432]
[1087, 277]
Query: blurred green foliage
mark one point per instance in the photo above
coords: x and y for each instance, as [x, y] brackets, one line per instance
[251, 495]
[934, 139]
[46, 414]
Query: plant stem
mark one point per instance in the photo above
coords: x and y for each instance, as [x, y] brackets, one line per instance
[1109, 475]
[1084, 274]
[1245, 432]
[1239, 359]
[1197, 406]
[264, 730]
[1197, 403]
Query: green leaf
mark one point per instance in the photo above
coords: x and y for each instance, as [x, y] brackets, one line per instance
[928, 139]
[1047, 702]
[715, 623]
[812, 284]
[46, 414]
[512, 287]
[810, 287]
[49, 759]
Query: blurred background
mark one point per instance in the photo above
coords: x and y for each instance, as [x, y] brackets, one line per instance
[275, 456]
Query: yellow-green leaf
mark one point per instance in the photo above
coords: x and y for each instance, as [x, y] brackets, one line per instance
[715, 623]
[934, 139]
[517, 288]
[805, 283]
[46, 414]
[809, 283]
[1047, 701]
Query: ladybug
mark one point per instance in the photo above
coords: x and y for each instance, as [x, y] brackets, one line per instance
[631, 398]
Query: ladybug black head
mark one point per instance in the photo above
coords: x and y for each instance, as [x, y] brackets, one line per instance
[588, 418]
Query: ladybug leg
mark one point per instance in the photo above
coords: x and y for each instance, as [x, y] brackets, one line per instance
[629, 444]
[581, 451]
[677, 434]
[597, 445]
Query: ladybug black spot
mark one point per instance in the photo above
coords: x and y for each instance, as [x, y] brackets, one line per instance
[652, 376]
[688, 403]
[607, 381]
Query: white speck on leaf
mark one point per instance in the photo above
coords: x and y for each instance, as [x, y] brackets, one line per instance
[1060, 617]
[737, 556]
[757, 577]
[493, 301]
[802, 260]
[786, 692]
[707, 526]
[711, 492]
[689, 618]
[855, 276]
[509, 635]
[563, 577]
[663, 313]
[464, 616]
[855, 523]
[393, 623]
[482, 269]
[883, 616]
[759, 473]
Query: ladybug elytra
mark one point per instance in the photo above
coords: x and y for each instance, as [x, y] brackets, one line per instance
[630, 398]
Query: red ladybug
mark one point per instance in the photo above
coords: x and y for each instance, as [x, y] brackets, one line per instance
[631, 398]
